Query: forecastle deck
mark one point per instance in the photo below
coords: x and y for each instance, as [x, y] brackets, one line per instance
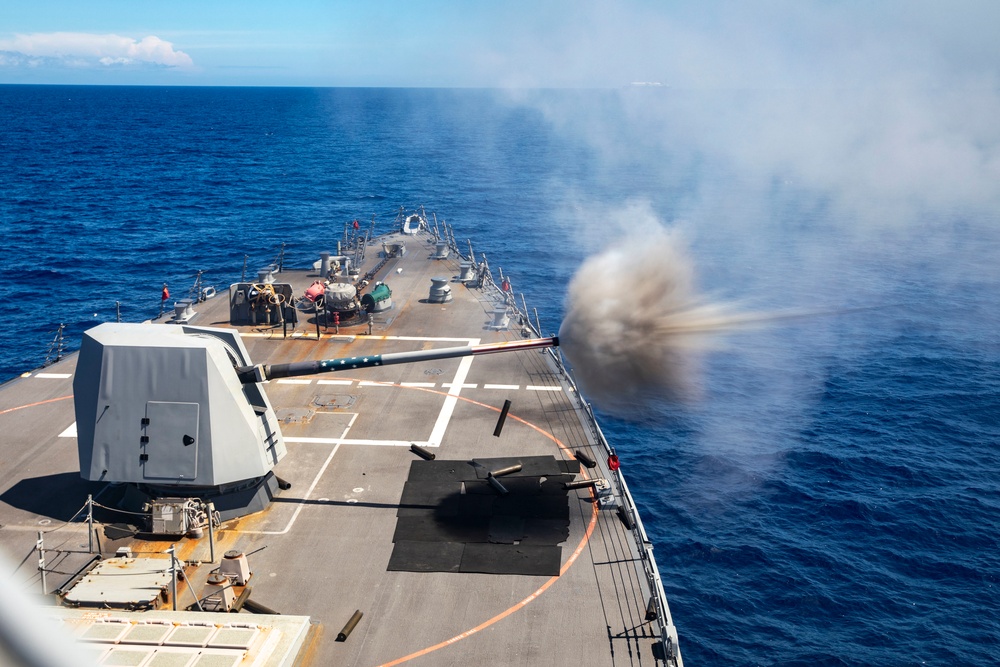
[445, 568]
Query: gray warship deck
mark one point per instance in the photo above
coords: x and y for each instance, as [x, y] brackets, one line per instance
[325, 547]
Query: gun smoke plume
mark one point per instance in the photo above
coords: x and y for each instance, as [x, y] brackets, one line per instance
[635, 325]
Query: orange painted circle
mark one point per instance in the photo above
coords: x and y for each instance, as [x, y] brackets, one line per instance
[541, 589]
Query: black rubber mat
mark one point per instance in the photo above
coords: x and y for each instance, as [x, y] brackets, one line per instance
[572, 467]
[431, 528]
[474, 526]
[545, 531]
[429, 471]
[505, 530]
[533, 507]
[426, 557]
[428, 494]
[511, 559]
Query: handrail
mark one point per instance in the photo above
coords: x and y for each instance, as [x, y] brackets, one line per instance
[668, 632]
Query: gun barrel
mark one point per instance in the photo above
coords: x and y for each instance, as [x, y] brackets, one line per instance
[251, 374]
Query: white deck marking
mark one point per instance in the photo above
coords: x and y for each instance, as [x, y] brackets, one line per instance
[444, 417]
[299, 506]
[348, 441]
[441, 425]
[294, 381]
[533, 387]
[468, 341]
[70, 431]
[502, 386]
[349, 338]
[54, 376]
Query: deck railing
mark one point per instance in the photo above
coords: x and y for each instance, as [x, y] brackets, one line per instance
[668, 632]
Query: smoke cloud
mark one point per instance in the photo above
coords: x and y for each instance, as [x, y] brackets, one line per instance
[882, 114]
[815, 155]
[635, 324]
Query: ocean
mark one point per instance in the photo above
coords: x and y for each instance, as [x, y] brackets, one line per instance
[827, 496]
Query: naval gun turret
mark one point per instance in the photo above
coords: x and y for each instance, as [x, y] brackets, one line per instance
[180, 412]
[160, 408]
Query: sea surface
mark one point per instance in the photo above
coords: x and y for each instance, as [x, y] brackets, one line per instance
[829, 496]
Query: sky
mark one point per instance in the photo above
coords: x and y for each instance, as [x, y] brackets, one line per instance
[510, 44]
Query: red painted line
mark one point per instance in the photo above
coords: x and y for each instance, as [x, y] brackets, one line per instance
[31, 405]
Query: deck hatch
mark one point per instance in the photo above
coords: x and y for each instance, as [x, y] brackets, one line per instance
[172, 445]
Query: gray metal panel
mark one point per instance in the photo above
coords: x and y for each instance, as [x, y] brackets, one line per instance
[122, 582]
[172, 449]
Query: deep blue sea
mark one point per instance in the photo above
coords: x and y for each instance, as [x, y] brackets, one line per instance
[831, 497]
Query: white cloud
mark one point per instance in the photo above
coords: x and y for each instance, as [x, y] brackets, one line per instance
[77, 49]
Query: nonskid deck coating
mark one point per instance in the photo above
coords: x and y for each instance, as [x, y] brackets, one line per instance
[323, 546]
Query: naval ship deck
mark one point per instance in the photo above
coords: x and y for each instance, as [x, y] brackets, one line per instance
[325, 547]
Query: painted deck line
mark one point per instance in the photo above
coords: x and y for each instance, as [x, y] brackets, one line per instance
[349, 337]
[426, 385]
[312, 486]
[375, 383]
[441, 425]
[70, 431]
[54, 376]
[294, 381]
[535, 387]
[295, 515]
[468, 341]
[345, 383]
[510, 387]
[459, 385]
[291, 334]
[348, 441]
